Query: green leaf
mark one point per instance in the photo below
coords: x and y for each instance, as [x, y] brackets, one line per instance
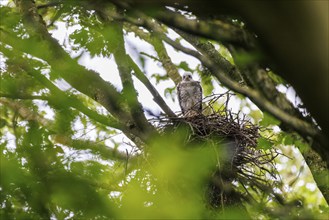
[206, 83]
[168, 92]
[302, 145]
[184, 65]
[256, 115]
[158, 77]
[276, 78]
[3, 123]
[264, 143]
[288, 140]
[269, 120]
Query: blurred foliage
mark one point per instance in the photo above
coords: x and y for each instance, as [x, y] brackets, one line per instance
[58, 162]
[206, 80]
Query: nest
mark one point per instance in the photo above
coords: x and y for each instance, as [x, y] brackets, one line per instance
[247, 164]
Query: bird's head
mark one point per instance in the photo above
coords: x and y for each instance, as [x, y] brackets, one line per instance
[187, 77]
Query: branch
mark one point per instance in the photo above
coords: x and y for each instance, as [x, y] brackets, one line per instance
[156, 96]
[302, 127]
[174, 75]
[218, 30]
[26, 114]
[164, 58]
[57, 96]
[129, 92]
[51, 51]
[254, 95]
[24, 96]
[86, 81]
[50, 4]
[95, 147]
[209, 50]
[259, 80]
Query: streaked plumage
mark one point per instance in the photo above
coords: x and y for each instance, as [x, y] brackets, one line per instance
[189, 96]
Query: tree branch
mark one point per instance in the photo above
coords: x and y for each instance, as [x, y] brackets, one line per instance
[96, 148]
[25, 96]
[302, 127]
[156, 96]
[56, 56]
[266, 85]
[220, 31]
[92, 84]
[129, 92]
[50, 4]
[209, 50]
[26, 114]
[297, 124]
[57, 96]
[157, 44]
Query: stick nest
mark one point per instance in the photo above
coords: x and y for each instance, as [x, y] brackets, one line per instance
[248, 164]
[223, 126]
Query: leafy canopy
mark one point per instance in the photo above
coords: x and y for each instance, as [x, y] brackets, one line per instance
[75, 144]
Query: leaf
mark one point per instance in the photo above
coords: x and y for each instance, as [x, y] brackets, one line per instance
[288, 140]
[184, 65]
[256, 115]
[206, 83]
[3, 122]
[158, 77]
[264, 143]
[302, 145]
[269, 120]
[276, 78]
[9, 19]
[244, 58]
[168, 92]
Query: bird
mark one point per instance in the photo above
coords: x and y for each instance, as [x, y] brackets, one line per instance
[189, 94]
